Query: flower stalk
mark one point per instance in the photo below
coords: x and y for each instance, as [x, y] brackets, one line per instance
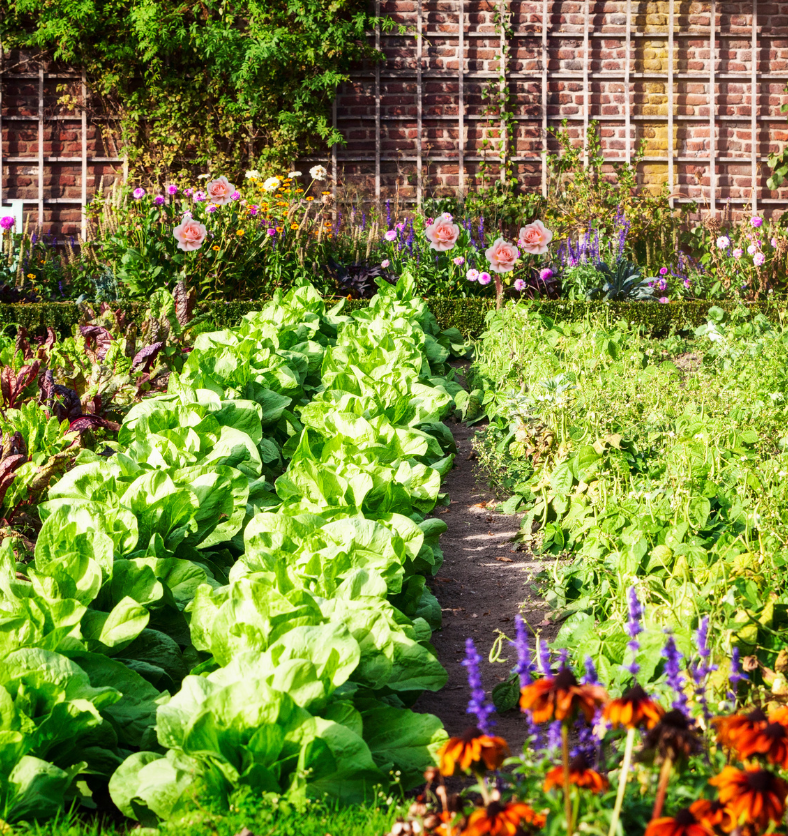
[622, 781]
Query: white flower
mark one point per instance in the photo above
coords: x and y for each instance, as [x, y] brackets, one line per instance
[293, 173]
[203, 176]
[271, 184]
[318, 172]
[723, 242]
[254, 174]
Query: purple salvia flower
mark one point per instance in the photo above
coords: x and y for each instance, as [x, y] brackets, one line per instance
[554, 735]
[736, 676]
[481, 231]
[544, 657]
[633, 629]
[525, 666]
[701, 671]
[673, 658]
[587, 743]
[363, 221]
[590, 677]
[478, 703]
[388, 214]
[563, 658]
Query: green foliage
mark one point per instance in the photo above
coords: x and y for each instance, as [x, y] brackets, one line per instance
[621, 282]
[655, 463]
[219, 84]
[236, 600]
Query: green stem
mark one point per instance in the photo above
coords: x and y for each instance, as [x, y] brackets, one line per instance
[567, 798]
[622, 781]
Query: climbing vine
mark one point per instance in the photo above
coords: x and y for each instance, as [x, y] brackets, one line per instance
[223, 84]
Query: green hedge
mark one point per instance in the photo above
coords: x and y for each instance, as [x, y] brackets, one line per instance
[467, 315]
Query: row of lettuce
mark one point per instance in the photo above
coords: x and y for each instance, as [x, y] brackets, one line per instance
[234, 593]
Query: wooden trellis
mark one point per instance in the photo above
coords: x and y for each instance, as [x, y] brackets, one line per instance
[551, 38]
[40, 160]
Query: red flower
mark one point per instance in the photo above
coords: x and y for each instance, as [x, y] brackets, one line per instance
[579, 773]
[560, 697]
[753, 796]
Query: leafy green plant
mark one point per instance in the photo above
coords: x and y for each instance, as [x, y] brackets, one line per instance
[620, 282]
[231, 84]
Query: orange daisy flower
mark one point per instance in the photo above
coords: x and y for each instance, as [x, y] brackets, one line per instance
[634, 709]
[771, 741]
[473, 751]
[499, 819]
[729, 728]
[753, 796]
[713, 814]
[684, 823]
[560, 697]
[580, 774]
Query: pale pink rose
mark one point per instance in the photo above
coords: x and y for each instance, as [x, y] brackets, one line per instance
[220, 191]
[535, 237]
[442, 234]
[190, 234]
[502, 256]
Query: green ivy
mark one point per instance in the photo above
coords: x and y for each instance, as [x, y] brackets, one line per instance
[224, 84]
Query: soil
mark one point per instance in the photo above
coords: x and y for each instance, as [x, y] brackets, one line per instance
[482, 585]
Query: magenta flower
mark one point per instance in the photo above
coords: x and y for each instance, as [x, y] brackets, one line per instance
[199, 196]
[7, 222]
[159, 199]
[519, 284]
[235, 195]
[172, 189]
[390, 235]
[459, 261]
[253, 210]
[472, 275]
[485, 278]
[756, 221]
[774, 242]
[271, 231]
[546, 274]
[211, 207]
[664, 300]
[188, 192]
[663, 271]
[138, 193]
[429, 221]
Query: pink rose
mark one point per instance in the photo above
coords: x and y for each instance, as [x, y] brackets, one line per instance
[535, 237]
[502, 256]
[220, 191]
[442, 234]
[190, 234]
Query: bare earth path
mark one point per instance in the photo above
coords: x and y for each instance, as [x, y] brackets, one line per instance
[481, 586]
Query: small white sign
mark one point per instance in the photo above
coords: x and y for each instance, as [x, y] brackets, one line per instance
[14, 209]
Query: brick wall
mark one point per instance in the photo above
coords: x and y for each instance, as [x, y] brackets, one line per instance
[394, 94]
[567, 98]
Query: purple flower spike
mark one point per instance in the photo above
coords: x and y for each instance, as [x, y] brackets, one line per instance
[554, 735]
[703, 668]
[544, 657]
[563, 658]
[633, 629]
[673, 658]
[478, 703]
[590, 677]
[525, 665]
[737, 675]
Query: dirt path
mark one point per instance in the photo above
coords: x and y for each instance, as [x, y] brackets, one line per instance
[481, 586]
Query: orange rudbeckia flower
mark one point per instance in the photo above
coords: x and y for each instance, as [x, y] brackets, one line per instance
[771, 741]
[753, 796]
[473, 751]
[684, 823]
[560, 697]
[633, 710]
[729, 728]
[713, 814]
[497, 819]
[580, 774]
